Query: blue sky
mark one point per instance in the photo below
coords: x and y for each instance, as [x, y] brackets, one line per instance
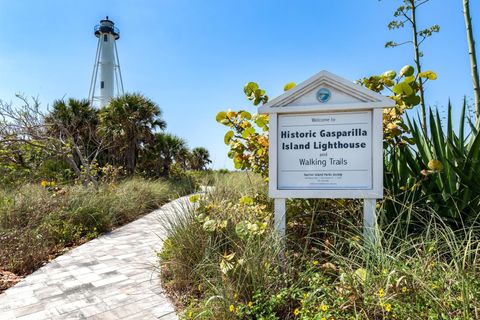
[193, 57]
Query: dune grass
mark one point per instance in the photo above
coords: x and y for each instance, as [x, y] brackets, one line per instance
[37, 223]
[222, 260]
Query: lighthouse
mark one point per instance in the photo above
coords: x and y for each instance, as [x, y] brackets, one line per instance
[106, 82]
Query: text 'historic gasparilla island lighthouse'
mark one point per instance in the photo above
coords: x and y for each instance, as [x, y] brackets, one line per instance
[325, 151]
[108, 81]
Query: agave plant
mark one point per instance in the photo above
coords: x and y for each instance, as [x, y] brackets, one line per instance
[441, 170]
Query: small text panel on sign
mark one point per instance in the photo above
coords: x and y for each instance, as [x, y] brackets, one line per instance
[325, 151]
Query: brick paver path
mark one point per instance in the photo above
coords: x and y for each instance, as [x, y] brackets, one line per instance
[112, 277]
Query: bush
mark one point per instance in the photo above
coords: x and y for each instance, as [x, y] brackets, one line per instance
[226, 222]
[439, 172]
[36, 223]
[222, 260]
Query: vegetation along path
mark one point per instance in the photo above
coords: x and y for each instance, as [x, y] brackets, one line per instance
[111, 277]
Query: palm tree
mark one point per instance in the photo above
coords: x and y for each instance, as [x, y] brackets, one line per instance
[75, 116]
[129, 122]
[200, 158]
[74, 124]
[169, 148]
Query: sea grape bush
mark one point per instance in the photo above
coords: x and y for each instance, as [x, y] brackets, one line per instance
[248, 134]
[404, 89]
[253, 221]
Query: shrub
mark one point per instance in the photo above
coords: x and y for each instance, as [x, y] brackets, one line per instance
[220, 263]
[36, 222]
[219, 225]
[439, 172]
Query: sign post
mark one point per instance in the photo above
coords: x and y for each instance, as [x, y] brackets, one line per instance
[280, 218]
[326, 141]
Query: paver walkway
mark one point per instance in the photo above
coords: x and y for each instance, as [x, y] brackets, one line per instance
[112, 277]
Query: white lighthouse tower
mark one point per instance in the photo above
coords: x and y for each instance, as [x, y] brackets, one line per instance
[110, 83]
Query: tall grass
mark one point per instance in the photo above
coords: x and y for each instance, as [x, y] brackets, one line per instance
[231, 270]
[428, 275]
[36, 223]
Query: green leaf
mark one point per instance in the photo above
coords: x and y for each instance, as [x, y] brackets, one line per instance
[228, 137]
[461, 135]
[407, 71]
[430, 75]
[412, 100]
[245, 114]
[402, 88]
[248, 132]
[261, 121]
[361, 274]
[409, 79]
[194, 198]
[209, 225]
[289, 86]
[250, 88]
[246, 200]
[388, 82]
[237, 162]
[390, 74]
[241, 229]
[222, 115]
[223, 224]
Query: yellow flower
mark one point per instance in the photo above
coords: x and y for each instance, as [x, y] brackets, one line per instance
[381, 293]
[296, 312]
[388, 307]
[324, 308]
[44, 183]
[232, 308]
[315, 262]
[404, 289]
[250, 304]
[323, 318]
[305, 295]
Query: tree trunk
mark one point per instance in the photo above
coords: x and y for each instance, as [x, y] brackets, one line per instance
[131, 155]
[473, 57]
[74, 166]
[86, 165]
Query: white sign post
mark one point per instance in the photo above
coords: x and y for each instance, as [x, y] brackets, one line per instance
[326, 141]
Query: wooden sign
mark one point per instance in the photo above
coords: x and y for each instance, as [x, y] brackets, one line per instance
[326, 141]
